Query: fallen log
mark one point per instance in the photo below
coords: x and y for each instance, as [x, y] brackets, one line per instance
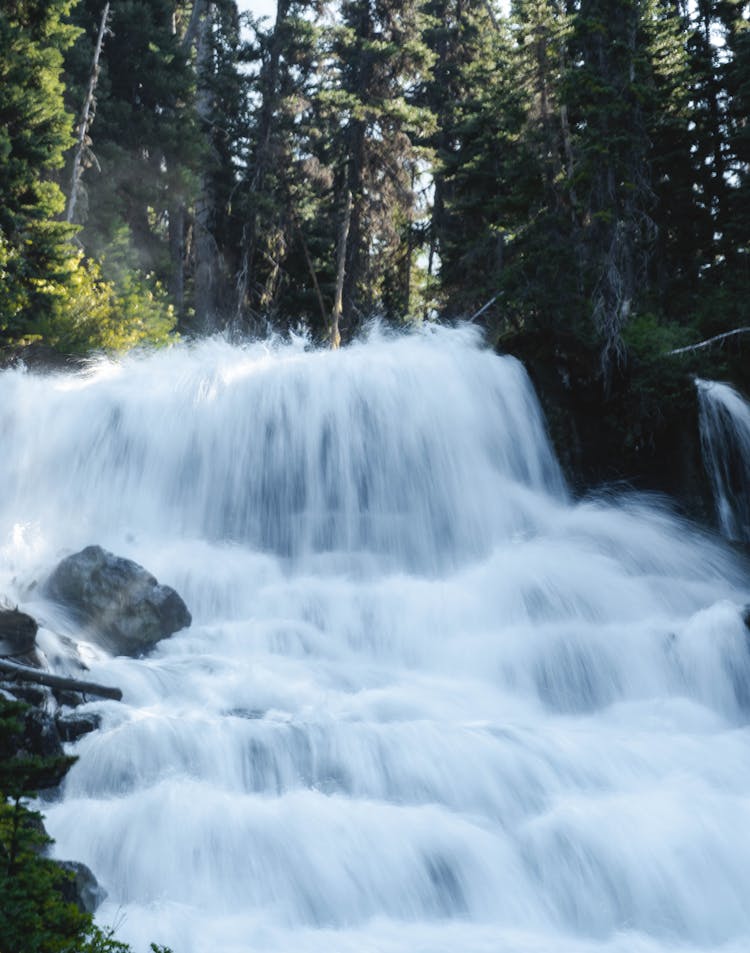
[25, 674]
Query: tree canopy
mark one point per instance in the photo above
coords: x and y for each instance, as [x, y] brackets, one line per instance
[582, 165]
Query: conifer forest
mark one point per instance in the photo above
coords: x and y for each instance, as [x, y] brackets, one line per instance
[578, 170]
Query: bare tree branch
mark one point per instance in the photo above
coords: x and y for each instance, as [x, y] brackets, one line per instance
[484, 307]
[707, 342]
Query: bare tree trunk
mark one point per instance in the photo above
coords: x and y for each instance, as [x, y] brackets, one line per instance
[409, 249]
[176, 209]
[177, 254]
[334, 334]
[87, 117]
[192, 28]
[206, 259]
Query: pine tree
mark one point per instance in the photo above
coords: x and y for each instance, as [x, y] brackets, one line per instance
[36, 259]
[475, 119]
[737, 82]
[541, 281]
[223, 110]
[145, 148]
[683, 224]
[277, 196]
[33, 914]
[376, 59]
[612, 172]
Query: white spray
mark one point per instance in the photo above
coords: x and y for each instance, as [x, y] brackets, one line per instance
[427, 703]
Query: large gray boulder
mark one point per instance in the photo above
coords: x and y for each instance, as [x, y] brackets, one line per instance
[122, 605]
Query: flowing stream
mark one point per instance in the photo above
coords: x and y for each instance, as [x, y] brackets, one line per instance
[428, 703]
[725, 438]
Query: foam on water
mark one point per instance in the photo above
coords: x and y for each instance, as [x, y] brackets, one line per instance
[428, 703]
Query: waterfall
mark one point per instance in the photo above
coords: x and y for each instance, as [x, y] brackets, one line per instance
[428, 704]
[725, 438]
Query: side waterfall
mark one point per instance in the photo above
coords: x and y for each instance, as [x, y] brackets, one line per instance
[428, 703]
[725, 438]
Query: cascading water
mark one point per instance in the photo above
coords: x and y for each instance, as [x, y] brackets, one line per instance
[725, 438]
[427, 703]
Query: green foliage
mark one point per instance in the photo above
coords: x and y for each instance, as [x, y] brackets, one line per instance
[649, 338]
[34, 132]
[145, 146]
[377, 60]
[473, 93]
[35, 129]
[112, 316]
[583, 164]
[34, 917]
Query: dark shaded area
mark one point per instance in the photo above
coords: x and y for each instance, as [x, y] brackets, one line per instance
[638, 431]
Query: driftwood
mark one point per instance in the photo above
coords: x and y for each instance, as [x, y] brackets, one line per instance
[25, 674]
[709, 341]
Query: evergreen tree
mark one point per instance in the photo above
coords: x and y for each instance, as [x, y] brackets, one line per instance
[36, 258]
[477, 121]
[609, 103]
[377, 57]
[278, 196]
[683, 224]
[736, 243]
[708, 115]
[34, 918]
[145, 149]
[541, 282]
[220, 104]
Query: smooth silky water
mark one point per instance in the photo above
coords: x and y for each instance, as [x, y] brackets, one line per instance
[428, 703]
[725, 439]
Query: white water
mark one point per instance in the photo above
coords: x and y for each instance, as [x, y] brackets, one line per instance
[725, 438]
[427, 703]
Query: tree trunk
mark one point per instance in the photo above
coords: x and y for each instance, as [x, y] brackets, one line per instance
[24, 674]
[87, 117]
[177, 255]
[313, 274]
[269, 84]
[205, 252]
[334, 333]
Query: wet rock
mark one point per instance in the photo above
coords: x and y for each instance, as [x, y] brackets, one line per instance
[122, 605]
[75, 726]
[24, 692]
[41, 736]
[65, 697]
[17, 633]
[81, 887]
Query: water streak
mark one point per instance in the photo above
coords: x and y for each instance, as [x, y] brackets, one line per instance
[725, 438]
